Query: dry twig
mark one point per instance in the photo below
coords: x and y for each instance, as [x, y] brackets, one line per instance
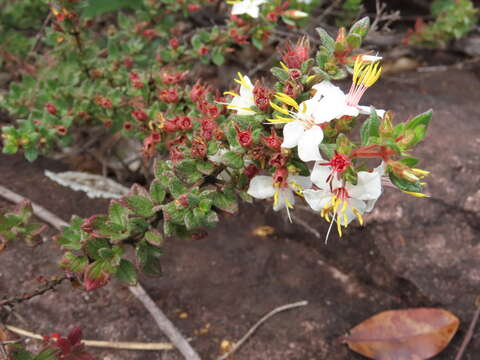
[249, 333]
[162, 321]
[471, 329]
[123, 345]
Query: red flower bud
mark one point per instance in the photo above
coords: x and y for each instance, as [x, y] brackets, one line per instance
[262, 96]
[183, 200]
[51, 108]
[128, 62]
[278, 160]
[170, 125]
[140, 115]
[149, 33]
[176, 154]
[272, 16]
[168, 95]
[184, 123]
[250, 171]
[197, 91]
[127, 126]
[273, 141]
[199, 148]
[61, 130]
[193, 7]
[295, 74]
[280, 177]
[174, 43]
[244, 137]
[203, 51]
[295, 56]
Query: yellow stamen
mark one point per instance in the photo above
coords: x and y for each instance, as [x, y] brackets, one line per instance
[275, 198]
[284, 67]
[287, 100]
[366, 73]
[279, 109]
[231, 93]
[339, 226]
[420, 171]
[231, 106]
[416, 194]
[288, 203]
[311, 77]
[241, 81]
[358, 215]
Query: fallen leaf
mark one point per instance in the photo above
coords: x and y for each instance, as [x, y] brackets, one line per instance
[263, 231]
[410, 334]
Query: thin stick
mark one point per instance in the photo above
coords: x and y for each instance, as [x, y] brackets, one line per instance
[164, 323]
[123, 345]
[39, 211]
[138, 291]
[471, 328]
[249, 333]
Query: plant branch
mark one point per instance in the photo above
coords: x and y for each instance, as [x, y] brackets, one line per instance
[124, 345]
[49, 285]
[249, 333]
[162, 321]
[470, 332]
[165, 324]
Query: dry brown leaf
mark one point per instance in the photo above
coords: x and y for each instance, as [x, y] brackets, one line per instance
[410, 334]
[264, 231]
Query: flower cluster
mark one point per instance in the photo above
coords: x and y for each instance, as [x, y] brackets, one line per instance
[341, 186]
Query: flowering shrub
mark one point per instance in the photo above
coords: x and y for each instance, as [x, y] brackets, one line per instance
[287, 140]
[453, 20]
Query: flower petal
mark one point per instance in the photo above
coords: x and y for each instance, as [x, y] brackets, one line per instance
[366, 110]
[292, 132]
[317, 199]
[285, 198]
[320, 174]
[358, 205]
[308, 144]
[326, 88]
[369, 186]
[299, 182]
[261, 187]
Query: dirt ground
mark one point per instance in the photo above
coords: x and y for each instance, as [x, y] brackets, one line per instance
[412, 252]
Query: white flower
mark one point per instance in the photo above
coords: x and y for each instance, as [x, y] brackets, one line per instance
[341, 202]
[300, 128]
[249, 7]
[332, 103]
[242, 103]
[281, 189]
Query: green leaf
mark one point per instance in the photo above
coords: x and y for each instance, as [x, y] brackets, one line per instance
[370, 128]
[410, 162]
[421, 119]
[154, 237]
[233, 160]
[197, 41]
[328, 149]
[148, 258]
[326, 39]
[279, 73]
[140, 205]
[48, 354]
[117, 214]
[403, 184]
[177, 188]
[95, 8]
[126, 272]
[31, 152]
[217, 56]
[226, 201]
[361, 27]
[94, 245]
[157, 192]
[75, 264]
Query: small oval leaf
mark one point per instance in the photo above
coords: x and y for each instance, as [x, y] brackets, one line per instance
[410, 334]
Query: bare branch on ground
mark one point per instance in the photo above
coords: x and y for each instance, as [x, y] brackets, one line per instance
[249, 333]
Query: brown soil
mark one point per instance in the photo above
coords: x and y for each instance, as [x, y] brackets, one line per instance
[413, 252]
